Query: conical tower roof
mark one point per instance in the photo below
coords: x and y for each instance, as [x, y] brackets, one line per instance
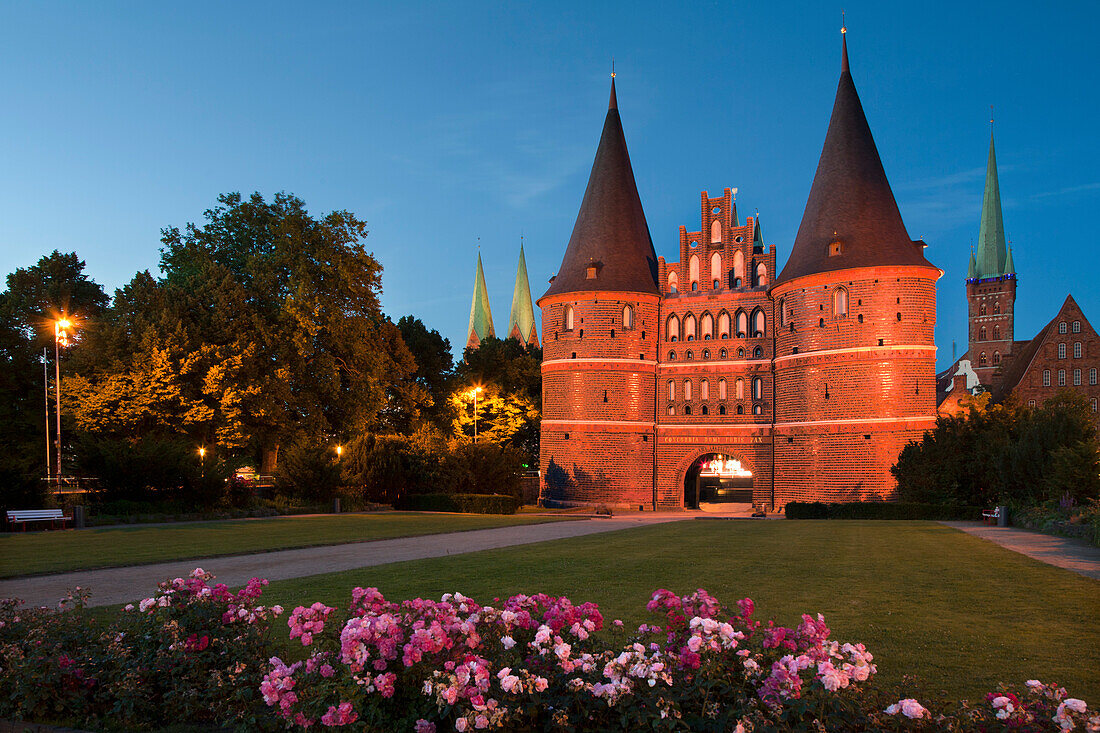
[850, 200]
[610, 248]
[972, 271]
[992, 253]
[481, 318]
[521, 320]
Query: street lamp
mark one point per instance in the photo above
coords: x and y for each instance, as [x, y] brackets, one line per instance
[202, 463]
[339, 451]
[60, 338]
[474, 393]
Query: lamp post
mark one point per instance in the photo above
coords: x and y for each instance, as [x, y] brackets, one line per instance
[46, 392]
[474, 393]
[202, 464]
[60, 338]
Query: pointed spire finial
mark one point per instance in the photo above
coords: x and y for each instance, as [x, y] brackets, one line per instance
[843, 44]
[613, 103]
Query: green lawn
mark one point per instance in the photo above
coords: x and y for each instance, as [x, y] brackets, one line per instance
[958, 613]
[43, 552]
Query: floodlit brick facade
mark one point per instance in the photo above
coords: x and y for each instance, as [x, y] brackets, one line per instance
[799, 385]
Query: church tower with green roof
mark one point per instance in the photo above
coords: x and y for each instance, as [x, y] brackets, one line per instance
[521, 319]
[991, 285]
[481, 318]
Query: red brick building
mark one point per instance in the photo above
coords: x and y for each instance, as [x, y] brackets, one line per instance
[1065, 354]
[668, 384]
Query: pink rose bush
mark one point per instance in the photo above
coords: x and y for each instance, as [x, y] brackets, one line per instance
[191, 652]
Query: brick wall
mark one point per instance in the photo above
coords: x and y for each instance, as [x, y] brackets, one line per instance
[991, 322]
[1031, 389]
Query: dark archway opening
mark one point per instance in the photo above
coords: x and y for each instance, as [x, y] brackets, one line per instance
[717, 478]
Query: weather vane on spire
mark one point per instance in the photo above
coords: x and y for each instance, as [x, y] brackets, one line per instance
[612, 67]
[991, 116]
[843, 25]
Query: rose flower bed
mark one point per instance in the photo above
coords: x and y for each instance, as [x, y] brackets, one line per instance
[196, 653]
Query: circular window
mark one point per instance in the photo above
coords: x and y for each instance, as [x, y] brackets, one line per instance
[739, 238]
[716, 210]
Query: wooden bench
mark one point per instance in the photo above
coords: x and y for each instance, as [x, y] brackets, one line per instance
[990, 516]
[22, 516]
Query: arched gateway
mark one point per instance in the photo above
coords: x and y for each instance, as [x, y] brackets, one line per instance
[717, 479]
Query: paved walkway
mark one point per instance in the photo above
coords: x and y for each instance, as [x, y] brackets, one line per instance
[1075, 555]
[122, 585]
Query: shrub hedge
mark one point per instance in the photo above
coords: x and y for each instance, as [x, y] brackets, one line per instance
[464, 503]
[881, 510]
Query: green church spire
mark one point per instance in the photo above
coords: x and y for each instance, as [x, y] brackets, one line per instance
[1010, 266]
[521, 320]
[481, 318]
[972, 273]
[992, 254]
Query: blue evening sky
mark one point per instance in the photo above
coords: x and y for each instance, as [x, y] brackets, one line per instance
[442, 123]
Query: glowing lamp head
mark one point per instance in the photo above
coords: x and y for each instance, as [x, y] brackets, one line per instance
[202, 452]
[64, 323]
[339, 450]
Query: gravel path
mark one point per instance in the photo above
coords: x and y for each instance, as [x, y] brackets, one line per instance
[1075, 555]
[122, 585]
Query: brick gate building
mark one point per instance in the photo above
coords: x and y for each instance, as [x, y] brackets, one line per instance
[801, 386]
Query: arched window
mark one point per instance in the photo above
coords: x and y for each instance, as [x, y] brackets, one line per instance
[715, 231]
[981, 333]
[671, 389]
[694, 286]
[757, 353]
[704, 390]
[1046, 377]
[1077, 327]
[996, 307]
[671, 410]
[689, 327]
[757, 410]
[672, 328]
[1077, 350]
[687, 409]
[996, 333]
[706, 326]
[628, 317]
[1061, 326]
[721, 409]
[740, 409]
[723, 325]
[672, 356]
[722, 354]
[706, 353]
[704, 410]
[758, 323]
[716, 267]
[1092, 375]
[782, 312]
[722, 389]
[740, 353]
[738, 269]
[761, 274]
[742, 324]
[840, 303]
[673, 281]
[982, 311]
[687, 389]
[982, 361]
[688, 355]
[739, 389]
[1076, 377]
[1061, 377]
[568, 318]
[996, 358]
[757, 388]
[693, 271]
[1061, 351]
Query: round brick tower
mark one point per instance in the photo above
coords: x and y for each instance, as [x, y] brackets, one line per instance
[855, 308]
[599, 326]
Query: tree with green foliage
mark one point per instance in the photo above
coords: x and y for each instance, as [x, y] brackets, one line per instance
[434, 363]
[265, 326]
[1004, 452]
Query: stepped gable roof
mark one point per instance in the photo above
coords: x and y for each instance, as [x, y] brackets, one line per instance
[521, 319]
[611, 233]
[481, 318]
[993, 259]
[850, 200]
[1022, 359]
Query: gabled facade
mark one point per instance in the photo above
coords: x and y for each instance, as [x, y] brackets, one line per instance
[669, 382]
